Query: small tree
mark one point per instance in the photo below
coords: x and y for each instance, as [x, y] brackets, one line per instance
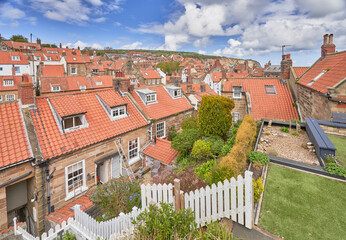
[172, 133]
[18, 38]
[201, 150]
[117, 195]
[184, 141]
[214, 117]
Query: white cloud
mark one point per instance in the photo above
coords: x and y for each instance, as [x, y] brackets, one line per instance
[95, 2]
[83, 45]
[134, 45]
[202, 52]
[7, 11]
[101, 19]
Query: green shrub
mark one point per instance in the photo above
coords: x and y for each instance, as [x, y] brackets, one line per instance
[260, 157]
[214, 116]
[201, 150]
[218, 173]
[285, 129]
[334, 168]
[295, 134]
[217, 231]
[190, 123]
[258, 188]
[69, 236]
[329, 159]
[184, 141]
[165, 223]
[185, 161]
[217, 144]
[117, 195]
[172, 133]
[205, 169]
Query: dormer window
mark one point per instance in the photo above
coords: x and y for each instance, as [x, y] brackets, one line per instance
[38, 58]
[55, 88]
[237, 92]
[98, 83]
[72, 123]
[95, 70]
[82, 87]
[8, 82]
[49, 59]
[15, 58]
[118, 112]
[174, 91]
[177, 93]
[150, 98]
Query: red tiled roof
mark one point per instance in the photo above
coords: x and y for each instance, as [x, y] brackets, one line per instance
[165, 105]
[55, 143]
[111, 99]
[70, 83]
[107, 81]
[21, 45]
[150, 74]
[67, 105]
[53, 71]
[95, 66]
[333, 64]
[74, 59]
[5, 58]
[236, 75]
[257, 72]
[17, 80]
[300, 70]
[161, 151]
[53, 57]
[86, 58]
[196, 87]
[266, 106]
[216, 77]
[14, 145]
[64, 213]
[68, 51]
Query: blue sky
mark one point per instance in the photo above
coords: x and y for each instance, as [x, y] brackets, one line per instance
[253, 29]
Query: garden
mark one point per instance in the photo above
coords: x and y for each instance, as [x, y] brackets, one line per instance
[298, 205]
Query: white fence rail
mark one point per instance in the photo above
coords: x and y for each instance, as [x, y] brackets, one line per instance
[156, 193]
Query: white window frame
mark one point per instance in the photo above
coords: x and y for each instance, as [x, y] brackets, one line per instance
[72, 70]
[177, 93]
[149, 82]
[272, 87]
[49, 59]
[82, 118]
[79, 190]
[135, 158]
[10, 97]
[118, 112]
[157, 81]
[236, 116]
[15, 58]
[55, 88]
[82, 87]
[164, 129]
[4, 48]
[98, 83]
[235, 92]
[151, 98]
[8, 82]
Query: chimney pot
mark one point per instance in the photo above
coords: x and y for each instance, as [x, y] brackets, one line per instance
[331, 39]
[325, 39]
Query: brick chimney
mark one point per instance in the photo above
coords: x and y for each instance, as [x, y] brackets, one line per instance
[38, 41]
[26, 91]
[63, 53]
[13, 71]
[286, 63]
[246, 65]
[328, 45]
[217, 63]
[60, 45]
[120, 82]
[188, 88]
[74, 52]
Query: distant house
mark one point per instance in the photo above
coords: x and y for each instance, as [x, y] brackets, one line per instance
[51, 85]
[150, 77]
[214, 80]
[75, 65]
[272, 71]
[13, 63]
[159, 150]
[321, 90]
[263, 98]
[9, 86]
[195, 93]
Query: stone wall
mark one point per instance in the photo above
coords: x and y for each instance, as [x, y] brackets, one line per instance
[81, 69]
[4, 93]
[334, 130]
[239, 104]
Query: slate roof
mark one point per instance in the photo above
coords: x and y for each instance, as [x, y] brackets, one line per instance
[266, 106]
[335, 71]
[165, 105]
[54, 143]
[161, 151]
[14, 144]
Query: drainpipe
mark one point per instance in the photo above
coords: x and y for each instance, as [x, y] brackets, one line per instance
[43, 198]
[48, 187]
[299, 112]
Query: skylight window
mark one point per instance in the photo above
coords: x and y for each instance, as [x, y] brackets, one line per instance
[317, 77]
[270, 89]
[146, 74]
[74, 59]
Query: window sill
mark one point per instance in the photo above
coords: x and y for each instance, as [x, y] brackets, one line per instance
[134, 160]
[76, 193]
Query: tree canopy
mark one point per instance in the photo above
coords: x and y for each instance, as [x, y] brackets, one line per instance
[18, 38]
[169, 67]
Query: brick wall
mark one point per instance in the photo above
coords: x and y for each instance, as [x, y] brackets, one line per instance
[4, 93]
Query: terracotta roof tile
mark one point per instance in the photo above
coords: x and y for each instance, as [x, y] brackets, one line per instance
[150, 74]
[16, 79]
[104, 81]
[111, 99]
[67, 105]
[6, 58]
[53, 71]
[14, 145]
[161, 151]
[300, 70]
[165, 105]
[216, 77]
[70, 83]
[54, 143]
[333, 64]
[74, 59]
[277, 106]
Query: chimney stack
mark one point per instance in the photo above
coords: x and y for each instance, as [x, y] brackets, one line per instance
[38, 41]
[26, 91]
[60, 45]
[328, 45]
[286, 63]
[120, 82]
[13, 71]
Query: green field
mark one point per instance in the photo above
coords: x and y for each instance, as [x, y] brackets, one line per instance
[299, 205]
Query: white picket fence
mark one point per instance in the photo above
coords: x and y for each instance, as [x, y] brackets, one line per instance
[224, 200]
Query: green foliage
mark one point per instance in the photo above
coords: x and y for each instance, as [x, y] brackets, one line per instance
[169, 67]
[201, 150]
[218, 173]
[46, 45]
[117, 195]
[69, 236]
[189, 123]
[260, 157]
[204, 169]
[334, 168]
[217, 231]
[184, 162]
[18, 38]
[217, 144]
[257, 189]
[184, 141]
[165, 223]
[295, 134]
[329, 159]
[227, 147]
[214, 117]
[285, 129]
[172, 133]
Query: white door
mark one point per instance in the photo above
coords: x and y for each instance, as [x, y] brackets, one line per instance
[116, 167]
[104, 172]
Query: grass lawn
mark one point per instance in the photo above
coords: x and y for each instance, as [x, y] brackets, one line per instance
[299, 205]
[340, 144]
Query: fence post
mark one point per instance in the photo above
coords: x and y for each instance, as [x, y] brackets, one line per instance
[182, 200]
[15, 225]
[177, 194]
